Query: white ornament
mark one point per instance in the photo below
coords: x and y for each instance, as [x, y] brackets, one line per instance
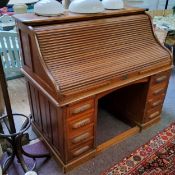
[86, 6]
[48, 8]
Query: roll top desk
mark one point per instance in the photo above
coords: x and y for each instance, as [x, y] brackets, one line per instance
[72, 61]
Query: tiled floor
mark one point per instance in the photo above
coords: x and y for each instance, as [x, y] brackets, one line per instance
[112, 155]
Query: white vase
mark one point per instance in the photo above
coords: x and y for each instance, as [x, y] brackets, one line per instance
[48, 8]
[86, 6]
[20, 8]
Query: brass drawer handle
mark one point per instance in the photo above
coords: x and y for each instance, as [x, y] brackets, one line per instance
[81, 123]
[81, 109]
[81, 150]
[156, 103]
[161, 79]
[154, 114]
[81, 137]
[158, 91]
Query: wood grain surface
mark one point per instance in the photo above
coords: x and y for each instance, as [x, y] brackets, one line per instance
[74, 61]
[34, 20]
[83, 54]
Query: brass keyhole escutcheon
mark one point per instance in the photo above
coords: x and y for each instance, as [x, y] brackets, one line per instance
[125, 77]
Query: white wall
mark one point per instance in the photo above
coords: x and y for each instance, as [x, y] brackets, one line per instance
[151, 4]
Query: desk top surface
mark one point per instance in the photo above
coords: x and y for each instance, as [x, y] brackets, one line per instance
[32, 19]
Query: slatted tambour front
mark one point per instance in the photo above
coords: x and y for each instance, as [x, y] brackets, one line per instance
[80, 55]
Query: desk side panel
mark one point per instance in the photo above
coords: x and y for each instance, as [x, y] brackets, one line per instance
[47, 118]
[33, 66]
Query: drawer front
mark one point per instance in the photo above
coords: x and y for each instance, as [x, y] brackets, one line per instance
[155, 102]
[83, 149]
[153, 113]
[81, 108]
[156, 91]
[160, 78]
[79, 123]
[81, 137]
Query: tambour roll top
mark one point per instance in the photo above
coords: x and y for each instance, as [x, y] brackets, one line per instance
[85, 52]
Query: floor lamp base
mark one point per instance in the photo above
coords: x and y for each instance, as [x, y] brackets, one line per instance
[15, 140]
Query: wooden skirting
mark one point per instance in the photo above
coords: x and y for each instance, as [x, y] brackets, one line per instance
[148, 124]
[117, 139]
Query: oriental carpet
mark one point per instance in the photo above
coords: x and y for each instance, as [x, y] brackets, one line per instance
[157, 157]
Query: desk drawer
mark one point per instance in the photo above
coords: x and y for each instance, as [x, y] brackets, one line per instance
[82, 149]
[157, 90]
[81, 108]
[79, 123]
[153, 113]
[160, 78]
[81, 137]
[155, 102]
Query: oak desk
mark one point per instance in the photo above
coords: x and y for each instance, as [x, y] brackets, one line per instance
[75, 62]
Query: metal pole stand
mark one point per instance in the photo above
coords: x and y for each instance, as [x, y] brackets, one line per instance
[15, 140]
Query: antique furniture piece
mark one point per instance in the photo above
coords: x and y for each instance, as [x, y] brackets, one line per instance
[77, 63]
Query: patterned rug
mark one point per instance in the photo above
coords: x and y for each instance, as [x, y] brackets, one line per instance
[157, 157]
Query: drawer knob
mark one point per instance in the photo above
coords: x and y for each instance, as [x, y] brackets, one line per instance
[81, 109]
[161, 79]
[81, 150]
[154, 114]
[156, 103]
[81, 123]
[158, 91]
[81, 137]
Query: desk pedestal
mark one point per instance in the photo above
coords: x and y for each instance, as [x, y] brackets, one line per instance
[70, 131]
